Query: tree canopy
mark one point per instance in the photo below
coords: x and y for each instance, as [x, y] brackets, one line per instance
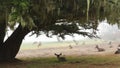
[60, 17]
[53, 17]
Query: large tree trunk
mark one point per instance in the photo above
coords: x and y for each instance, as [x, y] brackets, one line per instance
[2, 35]
[11, 46]
[2, 31]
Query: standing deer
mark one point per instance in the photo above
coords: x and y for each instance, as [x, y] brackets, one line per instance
[99, 49]
[39, 44]
[70, 46]
[110, 43]
[60, 58]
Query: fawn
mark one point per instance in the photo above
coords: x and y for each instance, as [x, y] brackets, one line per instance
[60, 58]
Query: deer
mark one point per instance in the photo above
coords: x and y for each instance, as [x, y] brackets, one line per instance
[110, 43]
[70, 46]
[99, 49]
[118, 51]
[60, 58]
[38, 44]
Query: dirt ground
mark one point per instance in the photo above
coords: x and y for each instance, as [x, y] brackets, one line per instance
[76, 50]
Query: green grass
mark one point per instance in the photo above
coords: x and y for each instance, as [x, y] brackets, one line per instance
[109, 61]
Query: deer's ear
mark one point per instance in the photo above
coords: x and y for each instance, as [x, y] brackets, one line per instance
[55, 54]
[60, 53]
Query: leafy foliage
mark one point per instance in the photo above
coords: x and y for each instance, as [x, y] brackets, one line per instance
[62, 17]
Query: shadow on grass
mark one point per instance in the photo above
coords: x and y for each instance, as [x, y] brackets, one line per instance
[72, 62]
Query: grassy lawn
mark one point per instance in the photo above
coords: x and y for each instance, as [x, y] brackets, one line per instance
[108, 61]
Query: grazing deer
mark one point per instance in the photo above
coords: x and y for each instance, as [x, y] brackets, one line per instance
[118, 51]
[60, 58]
[99, 49]
[39, 44]
[35, 42]
[70, 47]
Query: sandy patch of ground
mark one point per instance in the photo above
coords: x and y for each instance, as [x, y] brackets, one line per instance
[77, 50]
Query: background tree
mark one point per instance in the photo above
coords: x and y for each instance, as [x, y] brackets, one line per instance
[53, 17]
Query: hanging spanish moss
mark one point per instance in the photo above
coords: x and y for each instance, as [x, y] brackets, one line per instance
[41, 15]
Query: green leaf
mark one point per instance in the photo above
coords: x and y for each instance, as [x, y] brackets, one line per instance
[23, 23]
[31, 23]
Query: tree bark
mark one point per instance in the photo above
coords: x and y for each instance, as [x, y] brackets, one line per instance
[2, 31]
[12, 45]
[2, 35]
